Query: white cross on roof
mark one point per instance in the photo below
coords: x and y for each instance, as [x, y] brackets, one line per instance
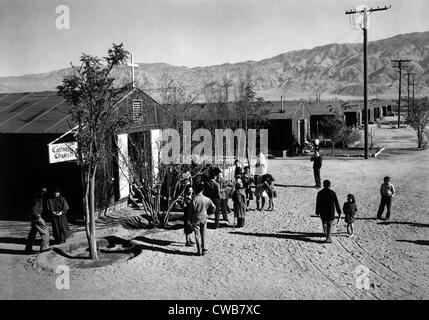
[132, 65]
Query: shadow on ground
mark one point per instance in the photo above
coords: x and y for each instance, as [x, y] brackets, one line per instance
[412, 224]
[420, 242]
[143, 243]
[293, 186]
[16, 252]
[291, 235]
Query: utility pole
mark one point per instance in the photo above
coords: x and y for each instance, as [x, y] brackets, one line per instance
[402, 63]
[366, 12]
[408, 82]
[413, 90]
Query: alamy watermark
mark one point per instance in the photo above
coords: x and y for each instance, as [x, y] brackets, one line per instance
[62, 22]
[226, 145]
[362, 277]
[63, 280]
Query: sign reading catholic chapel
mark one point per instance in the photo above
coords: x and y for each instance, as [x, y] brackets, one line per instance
[60, 152]
[137, 110]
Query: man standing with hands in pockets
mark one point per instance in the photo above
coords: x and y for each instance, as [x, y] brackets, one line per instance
[387, 191]
[200, 207]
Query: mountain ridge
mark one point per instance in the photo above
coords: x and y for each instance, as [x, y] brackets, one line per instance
[334, 70]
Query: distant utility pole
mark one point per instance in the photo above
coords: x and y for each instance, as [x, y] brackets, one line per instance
[408, 102]
[401, 63]
[366, 12]
[413, 91]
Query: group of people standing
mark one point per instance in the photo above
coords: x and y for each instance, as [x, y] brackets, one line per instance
[204, 198]
[52, 208]
[198, 207]
[327, 201]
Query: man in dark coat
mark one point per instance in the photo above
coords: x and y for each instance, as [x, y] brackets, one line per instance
[238, 170]
[317, 164]
[38, 225]
[212, 191]
[326, 204]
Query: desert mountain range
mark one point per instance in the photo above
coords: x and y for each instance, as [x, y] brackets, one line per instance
[333, 70]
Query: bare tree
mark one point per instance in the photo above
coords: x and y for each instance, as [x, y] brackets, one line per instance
[249, 107]
[160, 186]
[419, 120]
[176, 100]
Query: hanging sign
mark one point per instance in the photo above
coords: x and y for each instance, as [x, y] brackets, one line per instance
[60, 152]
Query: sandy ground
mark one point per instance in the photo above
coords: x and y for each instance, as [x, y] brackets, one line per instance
[277, 255]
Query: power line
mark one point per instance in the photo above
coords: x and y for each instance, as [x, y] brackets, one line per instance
[401, 63]
[408, 101]
[366, 12]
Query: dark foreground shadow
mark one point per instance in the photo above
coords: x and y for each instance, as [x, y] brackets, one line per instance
[22, 241]
[164, 250]
[15, 252]
[222, 224]
[69, 256]
[298, 236]
[420, 242]
[157, 242]
[412, 224]
[293, 186]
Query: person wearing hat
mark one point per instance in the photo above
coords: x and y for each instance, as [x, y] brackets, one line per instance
[58, 207]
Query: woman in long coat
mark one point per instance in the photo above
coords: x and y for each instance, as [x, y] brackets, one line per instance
[239, 199]
[58, 207]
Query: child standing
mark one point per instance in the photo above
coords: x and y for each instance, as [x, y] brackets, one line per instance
[247, 179]
[350, 210]
[270, 190]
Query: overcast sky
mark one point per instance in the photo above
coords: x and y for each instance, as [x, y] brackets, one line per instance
[187, 32]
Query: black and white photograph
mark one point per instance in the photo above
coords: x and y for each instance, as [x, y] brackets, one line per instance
[227, 152]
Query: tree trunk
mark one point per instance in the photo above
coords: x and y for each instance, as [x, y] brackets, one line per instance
[86, 202]
[419, 137]
[92, 237]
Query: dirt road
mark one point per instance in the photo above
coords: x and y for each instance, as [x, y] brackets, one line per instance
[277, 255]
